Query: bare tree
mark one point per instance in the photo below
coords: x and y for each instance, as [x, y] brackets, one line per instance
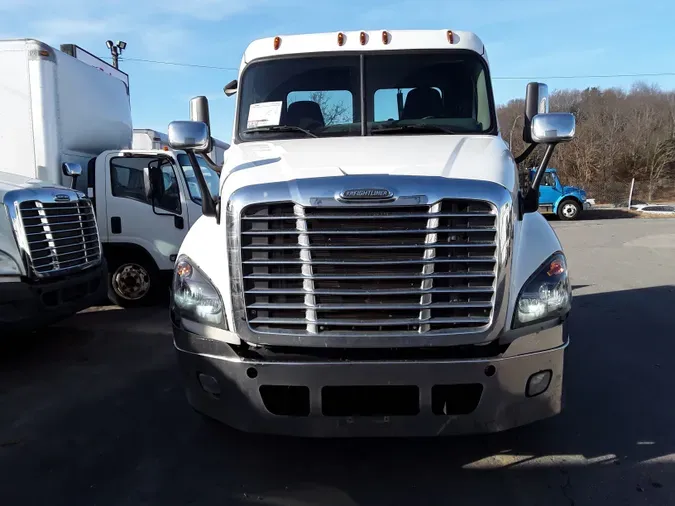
[620, 135]
[334, 112]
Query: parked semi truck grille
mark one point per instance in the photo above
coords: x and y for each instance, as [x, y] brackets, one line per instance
[60, 235]
[369, 270]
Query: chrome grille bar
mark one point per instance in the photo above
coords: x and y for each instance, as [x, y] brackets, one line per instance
[428, 267]
[385, 246]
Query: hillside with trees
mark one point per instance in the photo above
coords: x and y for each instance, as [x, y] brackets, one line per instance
[620, 136]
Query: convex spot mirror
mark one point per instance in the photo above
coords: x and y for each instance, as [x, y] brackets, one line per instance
[553, 127]
[189, 135]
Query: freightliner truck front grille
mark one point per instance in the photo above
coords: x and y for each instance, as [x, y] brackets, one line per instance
[369, 271]
[59, 236]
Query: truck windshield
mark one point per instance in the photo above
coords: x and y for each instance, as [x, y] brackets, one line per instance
[419, 93]
[210, 175]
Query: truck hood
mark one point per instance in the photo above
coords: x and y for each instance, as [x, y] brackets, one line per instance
[9, 182]
[568, 190]
[482, 157]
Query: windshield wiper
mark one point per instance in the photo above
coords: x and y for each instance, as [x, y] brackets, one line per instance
[417, 127]
[278, 128]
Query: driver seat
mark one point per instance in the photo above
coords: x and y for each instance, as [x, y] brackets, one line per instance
[305, 114]
[422, 102]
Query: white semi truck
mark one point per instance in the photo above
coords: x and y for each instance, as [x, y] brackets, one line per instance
[370, 266]
[64, 108]
[51, 264]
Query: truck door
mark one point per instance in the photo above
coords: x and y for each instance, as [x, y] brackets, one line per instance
[157, 225]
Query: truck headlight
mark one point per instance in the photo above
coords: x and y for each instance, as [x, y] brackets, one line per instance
[8, 267]
[193, 296]
[546, 295]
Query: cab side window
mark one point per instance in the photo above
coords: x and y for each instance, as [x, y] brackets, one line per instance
[127, 181]
[168, 195]
[126, 177]
[548, 180]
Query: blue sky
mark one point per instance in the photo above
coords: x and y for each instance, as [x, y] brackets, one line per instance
[523, 38]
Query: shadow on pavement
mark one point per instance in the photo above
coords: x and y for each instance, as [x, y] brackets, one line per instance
[609, 213]
[129, 437]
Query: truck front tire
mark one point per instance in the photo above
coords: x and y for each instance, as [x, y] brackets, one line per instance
[569, 209]
[132, 282]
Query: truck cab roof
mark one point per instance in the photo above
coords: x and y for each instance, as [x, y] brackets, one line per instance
[372, 40]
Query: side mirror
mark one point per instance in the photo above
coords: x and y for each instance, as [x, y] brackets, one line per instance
[553, 128]
[231, 88]
[150, 182]
[199, 111]
[536, 102]
[549, 129]
[189, 135]
[73, 170]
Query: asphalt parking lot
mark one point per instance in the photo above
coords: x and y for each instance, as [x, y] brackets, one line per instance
[92, 412]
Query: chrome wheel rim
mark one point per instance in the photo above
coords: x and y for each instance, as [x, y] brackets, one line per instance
[569, 210]
[131, 281]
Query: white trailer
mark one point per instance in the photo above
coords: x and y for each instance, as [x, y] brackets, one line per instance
[62, 109]
[146, 138]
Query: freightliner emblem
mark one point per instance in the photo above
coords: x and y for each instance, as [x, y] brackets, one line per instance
[366, 194]
[61, 197]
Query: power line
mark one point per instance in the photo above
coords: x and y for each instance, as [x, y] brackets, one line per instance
[179, 64]
[496, 78]
[590, 76]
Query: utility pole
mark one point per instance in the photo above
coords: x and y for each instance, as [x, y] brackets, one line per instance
[116, 50]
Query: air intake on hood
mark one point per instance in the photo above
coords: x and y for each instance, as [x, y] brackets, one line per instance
[371, 270]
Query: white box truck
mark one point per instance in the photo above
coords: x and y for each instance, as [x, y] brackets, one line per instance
[371, 267]
[63, 109]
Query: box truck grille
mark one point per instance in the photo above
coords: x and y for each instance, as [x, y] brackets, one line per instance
[369, 270]
[60, 235]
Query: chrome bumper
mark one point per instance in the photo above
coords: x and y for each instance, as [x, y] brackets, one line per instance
[502, 404]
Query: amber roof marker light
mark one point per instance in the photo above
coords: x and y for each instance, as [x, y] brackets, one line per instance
[277, 42]
[385, 37]
[451, 37]
[363, 37]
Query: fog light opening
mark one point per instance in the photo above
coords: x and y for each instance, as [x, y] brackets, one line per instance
[209, 384]
[490, 371]
[252, 372]
[538, 383]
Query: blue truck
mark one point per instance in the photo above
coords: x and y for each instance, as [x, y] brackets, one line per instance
[566, 202]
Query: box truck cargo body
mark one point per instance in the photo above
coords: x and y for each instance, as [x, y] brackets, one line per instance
[62, 109]
[57, 109]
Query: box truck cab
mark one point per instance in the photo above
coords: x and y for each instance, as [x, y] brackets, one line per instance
[146, 201]
[567, 202]
[65, 109]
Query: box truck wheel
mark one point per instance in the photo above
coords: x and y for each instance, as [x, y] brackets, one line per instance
[132, 282]
[569, 209]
